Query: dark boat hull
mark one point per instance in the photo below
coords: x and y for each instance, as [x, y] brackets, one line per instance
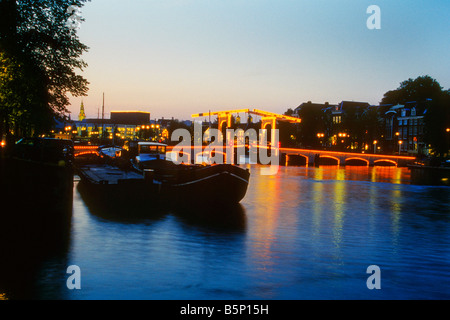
[219, 184]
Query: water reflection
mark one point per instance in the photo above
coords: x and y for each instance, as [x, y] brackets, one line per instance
[266, 191]
[324, 222]
[126, 212]
[163, 254]
[305, 233]
[208, 215]
[318, 191]
[219, 218]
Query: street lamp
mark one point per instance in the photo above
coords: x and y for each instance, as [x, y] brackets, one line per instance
[375, 146]
[320, 136]
[400, 142]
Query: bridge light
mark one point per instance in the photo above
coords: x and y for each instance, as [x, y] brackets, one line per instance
[400, 142]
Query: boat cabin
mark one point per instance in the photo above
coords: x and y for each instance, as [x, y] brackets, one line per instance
[148, 151]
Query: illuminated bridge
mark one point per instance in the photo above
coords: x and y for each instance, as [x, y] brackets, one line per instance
[294, 156]
[308, 157]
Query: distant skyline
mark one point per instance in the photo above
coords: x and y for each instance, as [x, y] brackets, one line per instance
[176, 58]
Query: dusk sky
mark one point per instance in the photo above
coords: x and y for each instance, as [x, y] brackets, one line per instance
[176, 58]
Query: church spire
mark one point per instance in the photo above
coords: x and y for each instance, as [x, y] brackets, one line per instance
[82, 115]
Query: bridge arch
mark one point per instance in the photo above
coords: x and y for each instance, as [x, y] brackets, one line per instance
[385, 162]
[297, 160]
[329, 157]
[221, 122]
[356, 161]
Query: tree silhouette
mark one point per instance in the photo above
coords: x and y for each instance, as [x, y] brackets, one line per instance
[39, 53]
[437, 121]
[419, 89]
[434, 103]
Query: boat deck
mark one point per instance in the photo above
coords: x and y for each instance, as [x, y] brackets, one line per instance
[106, 174]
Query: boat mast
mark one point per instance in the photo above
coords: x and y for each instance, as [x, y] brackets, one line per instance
[103, 116]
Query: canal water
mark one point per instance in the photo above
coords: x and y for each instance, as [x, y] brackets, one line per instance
[305, 233]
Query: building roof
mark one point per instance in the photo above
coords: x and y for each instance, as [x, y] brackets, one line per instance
[323, 106]
[353, 104]
[134, 118]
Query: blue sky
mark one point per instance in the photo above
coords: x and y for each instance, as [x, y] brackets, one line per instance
[174, 58]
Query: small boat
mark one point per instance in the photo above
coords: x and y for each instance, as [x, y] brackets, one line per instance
[110, 151]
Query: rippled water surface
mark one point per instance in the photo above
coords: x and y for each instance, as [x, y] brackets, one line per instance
[305, 233]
